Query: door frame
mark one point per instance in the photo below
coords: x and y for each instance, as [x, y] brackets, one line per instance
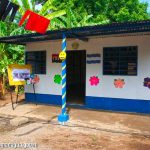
[84, 100]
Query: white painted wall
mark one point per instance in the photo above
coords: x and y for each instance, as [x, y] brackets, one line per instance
[133, 88]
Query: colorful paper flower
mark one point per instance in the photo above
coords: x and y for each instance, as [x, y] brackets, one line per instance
[146, 82]
[94, 80]
[57, 79]
[34, 79]
[119, 83]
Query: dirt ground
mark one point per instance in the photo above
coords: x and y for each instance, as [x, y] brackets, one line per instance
[7, 99]
[86, 129]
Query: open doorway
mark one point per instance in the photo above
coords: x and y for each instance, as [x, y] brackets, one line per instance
[76, 76]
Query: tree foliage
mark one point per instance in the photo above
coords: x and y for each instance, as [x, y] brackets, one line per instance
[126, 10]
[104, 11]
[68, 14]
[15, 54]
[10, 54]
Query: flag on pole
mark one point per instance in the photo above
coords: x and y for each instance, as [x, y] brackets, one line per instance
[35, 22]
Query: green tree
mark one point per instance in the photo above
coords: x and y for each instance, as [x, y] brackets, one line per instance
[10, 54]
[105, 11]
[126, 10]
[15, 53]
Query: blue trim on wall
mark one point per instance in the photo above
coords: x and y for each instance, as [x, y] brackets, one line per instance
[43, 98]
[118, 104]
[100, 103]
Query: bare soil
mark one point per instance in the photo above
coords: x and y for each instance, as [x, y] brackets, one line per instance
[56, 137]
[86, 130]
[7, 99]
[64, 139]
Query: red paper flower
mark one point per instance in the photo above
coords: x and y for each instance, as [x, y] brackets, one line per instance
[119, 83]
[35, 80]
[94, 80]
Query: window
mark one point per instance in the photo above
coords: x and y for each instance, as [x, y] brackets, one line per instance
[120, 60]
[38, 61]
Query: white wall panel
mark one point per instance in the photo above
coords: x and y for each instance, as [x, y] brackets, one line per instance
[133, 88]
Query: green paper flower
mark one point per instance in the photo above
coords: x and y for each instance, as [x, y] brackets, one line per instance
[57, 79]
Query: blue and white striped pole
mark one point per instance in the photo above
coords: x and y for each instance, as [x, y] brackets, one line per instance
[63, 117]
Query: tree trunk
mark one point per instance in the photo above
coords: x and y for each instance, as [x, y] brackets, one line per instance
[3, 91]
[2, 86]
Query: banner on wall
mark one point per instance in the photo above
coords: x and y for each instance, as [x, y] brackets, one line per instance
[56, 59]
[18, 73]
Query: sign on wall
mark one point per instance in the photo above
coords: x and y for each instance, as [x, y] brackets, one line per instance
[55, 58]
[18, 73]
[75, 45]
[93, 58]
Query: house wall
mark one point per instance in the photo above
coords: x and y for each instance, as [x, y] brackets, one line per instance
[134, 97]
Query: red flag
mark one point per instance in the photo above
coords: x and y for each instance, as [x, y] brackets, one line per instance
[35, 22]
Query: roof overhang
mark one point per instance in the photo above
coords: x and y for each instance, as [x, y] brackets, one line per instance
[82, 33]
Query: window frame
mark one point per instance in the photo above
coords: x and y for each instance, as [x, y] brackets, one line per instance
[45, 61]
[137, 48]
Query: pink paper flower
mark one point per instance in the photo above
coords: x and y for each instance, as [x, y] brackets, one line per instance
[94, 80]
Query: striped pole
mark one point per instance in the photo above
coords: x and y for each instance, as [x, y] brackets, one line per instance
[64, 77]
[63, 117]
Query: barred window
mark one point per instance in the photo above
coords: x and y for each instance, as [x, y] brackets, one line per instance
[120, 60]
[37, 59]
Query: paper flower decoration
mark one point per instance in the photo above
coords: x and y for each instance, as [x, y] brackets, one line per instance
[119, 83]
[94, 80]
[34, 79]
[147, 82]
[57, 79]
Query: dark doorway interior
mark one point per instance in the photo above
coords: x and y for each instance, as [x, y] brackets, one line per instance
[76, 76]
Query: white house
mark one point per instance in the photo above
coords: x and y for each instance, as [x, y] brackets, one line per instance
[117, 54]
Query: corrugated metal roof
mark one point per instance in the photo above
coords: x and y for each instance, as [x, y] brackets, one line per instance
[81, 32]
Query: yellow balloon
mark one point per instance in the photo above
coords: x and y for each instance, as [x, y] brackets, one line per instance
[62, 55]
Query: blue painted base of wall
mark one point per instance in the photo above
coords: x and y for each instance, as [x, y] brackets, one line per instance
[43, 98]
[112, 104]
[117, 104]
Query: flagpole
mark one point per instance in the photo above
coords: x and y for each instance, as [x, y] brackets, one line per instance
[63, 117]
